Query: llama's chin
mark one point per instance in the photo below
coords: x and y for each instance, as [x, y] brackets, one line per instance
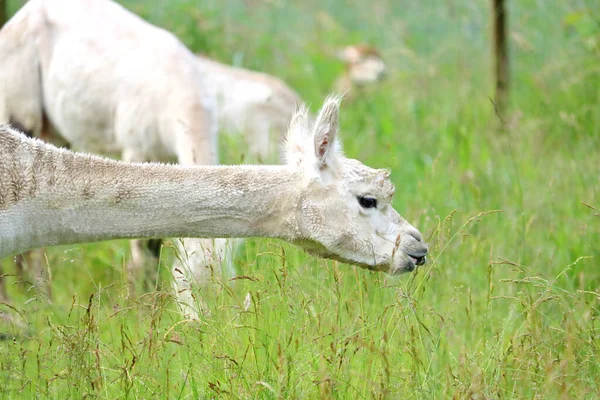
[408, 264]
[398, 267]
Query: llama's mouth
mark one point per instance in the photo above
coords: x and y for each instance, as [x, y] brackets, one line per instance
[419, 260]
[412, 263]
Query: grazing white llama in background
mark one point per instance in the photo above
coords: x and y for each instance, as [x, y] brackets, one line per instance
[109, 83]
[253, 104]
[329, 205]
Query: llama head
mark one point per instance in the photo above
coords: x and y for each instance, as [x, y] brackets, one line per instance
[364, 64]
[344, 210]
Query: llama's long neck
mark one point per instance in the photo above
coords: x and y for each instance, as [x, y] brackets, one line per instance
[52, 197]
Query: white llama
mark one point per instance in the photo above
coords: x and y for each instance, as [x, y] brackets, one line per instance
[331, 206]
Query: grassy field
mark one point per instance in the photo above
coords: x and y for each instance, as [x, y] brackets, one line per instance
[507, 307]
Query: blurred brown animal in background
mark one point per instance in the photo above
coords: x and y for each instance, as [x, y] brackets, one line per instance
[364, 66]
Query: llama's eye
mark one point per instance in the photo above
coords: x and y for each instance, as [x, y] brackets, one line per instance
[367, 201]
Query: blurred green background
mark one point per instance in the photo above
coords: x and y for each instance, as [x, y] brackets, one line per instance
[508, 305]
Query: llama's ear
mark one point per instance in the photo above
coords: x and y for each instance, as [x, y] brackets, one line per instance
[325, 132]
[295, 145]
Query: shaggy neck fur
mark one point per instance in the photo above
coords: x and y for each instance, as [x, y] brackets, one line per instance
[52, 197]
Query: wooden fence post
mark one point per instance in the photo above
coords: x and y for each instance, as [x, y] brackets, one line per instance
[501, 64]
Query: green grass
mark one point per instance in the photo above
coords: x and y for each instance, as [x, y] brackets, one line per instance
[508, 305]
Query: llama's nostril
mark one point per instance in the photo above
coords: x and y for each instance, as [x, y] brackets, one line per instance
[417, 235]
